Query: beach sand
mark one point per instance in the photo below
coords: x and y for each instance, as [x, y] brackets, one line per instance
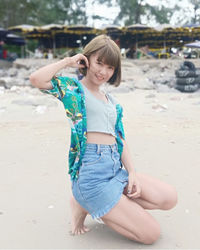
[163, 134]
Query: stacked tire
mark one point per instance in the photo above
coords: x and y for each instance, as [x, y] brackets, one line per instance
[187, 77]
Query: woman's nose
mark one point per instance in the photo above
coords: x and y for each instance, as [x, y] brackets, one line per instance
[103, 70]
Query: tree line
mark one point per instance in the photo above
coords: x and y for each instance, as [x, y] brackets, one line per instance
[41, 12]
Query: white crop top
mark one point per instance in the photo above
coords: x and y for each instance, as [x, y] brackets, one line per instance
[101, 116]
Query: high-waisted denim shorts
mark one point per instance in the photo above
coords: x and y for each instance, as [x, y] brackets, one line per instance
[101, 179]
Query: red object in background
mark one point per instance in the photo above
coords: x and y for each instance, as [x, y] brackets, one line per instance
[4, 54]
[117, 41]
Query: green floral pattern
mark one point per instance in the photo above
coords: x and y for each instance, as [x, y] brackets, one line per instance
[71, 93]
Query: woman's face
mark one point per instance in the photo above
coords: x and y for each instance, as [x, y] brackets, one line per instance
[99, 72]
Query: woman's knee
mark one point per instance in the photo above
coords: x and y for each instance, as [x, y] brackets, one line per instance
[170, 199]
[151, 235]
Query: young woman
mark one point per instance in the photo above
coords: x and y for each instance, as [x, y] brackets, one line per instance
[104, 182]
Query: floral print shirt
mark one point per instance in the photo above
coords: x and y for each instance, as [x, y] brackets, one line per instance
[71, 93]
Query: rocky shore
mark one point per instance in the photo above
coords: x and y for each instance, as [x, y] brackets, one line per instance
[136, 74]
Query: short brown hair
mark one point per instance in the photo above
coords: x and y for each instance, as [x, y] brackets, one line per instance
[109, 53]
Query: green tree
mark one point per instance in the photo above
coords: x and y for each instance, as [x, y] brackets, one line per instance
[196, 10]
[37, 12]
[130, 11]
[61, 11]
[134, 11]
[15, 12]
[161, 14]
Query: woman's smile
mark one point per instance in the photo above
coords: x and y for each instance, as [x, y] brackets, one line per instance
[99, 77]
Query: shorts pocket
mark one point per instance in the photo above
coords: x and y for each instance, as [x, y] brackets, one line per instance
[122, 176]
[90, 159]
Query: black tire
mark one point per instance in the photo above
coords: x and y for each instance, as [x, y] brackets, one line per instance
[188, 81]
[187, 88]
[187, 73]
[187, 65]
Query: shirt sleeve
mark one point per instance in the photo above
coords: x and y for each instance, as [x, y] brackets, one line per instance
[121, 126]
[59, 87]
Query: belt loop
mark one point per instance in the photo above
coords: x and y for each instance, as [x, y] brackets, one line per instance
[98, 148]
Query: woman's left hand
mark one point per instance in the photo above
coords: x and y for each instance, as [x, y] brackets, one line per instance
[133, 188]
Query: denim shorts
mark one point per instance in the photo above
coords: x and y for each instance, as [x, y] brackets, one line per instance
[101, 179]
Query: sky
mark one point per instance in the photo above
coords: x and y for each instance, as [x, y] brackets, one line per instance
[111, 13]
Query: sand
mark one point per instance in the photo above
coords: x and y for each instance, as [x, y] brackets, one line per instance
[162, 131]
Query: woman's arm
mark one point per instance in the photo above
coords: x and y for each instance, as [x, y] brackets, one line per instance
[134, 188]
[42, 77]
[126, 158]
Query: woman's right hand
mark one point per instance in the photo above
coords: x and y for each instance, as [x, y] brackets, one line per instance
[77, 61]
[41, 78]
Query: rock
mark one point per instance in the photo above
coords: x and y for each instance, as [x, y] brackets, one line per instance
[7, 81]
[2, 83]
[143, 83]
[146, 68]
[23, 74]
[2, 72]
[27, 83]
[136, 74]
[5, 64]
[166, 89]
[15, 89]
[2, 90]
[12, 72]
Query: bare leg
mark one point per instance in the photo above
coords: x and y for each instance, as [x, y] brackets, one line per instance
[129, 216]
[78, 217]
[155, 193]
[132, 221]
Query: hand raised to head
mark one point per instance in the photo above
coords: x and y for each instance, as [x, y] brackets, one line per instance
[77, 61]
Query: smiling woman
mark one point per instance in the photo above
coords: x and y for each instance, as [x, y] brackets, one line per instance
[104, 52]
[103, 180]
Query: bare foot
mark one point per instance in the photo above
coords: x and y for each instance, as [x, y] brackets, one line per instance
[78, 217]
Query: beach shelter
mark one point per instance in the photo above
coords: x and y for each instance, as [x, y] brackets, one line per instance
[75, 36]
[194, 30]
[114, 31]
[3, 34]
[85, 33]
[137, 26]
[44, 34]
[61, 36]
[50, 30]
[193, 45]
[164, 32]
[134, 35]
[12, 39]
[23, 29]
[168, 36]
